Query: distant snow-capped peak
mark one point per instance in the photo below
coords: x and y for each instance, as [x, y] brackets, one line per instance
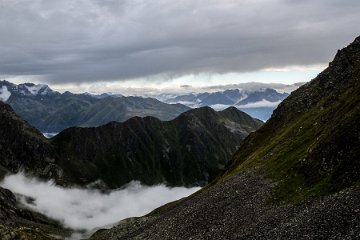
[24, 89]
[37, 89]
[230, 97]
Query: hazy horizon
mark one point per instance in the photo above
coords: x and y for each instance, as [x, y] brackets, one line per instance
[102, 45]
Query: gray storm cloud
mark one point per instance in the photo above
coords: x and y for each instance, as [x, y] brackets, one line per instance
[88, 209]
[93, 40]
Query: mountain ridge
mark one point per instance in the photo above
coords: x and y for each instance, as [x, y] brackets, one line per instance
[178, 152]
[50, 111]
[144, 149]
[259, 103]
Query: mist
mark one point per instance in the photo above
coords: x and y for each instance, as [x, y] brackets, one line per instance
[83, 209]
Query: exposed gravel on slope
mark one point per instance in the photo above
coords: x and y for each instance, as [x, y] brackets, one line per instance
[17, 222]
[240, 209]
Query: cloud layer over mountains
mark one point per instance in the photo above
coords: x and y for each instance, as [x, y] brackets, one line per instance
[93, 40]
[87, 209]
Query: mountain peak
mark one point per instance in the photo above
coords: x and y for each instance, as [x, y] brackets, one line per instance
[342, 74]
[25, 89]
[36, 89]
[200, 112]
[231, 109]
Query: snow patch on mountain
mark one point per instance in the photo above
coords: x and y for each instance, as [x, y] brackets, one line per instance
[4, 94]
[25, 89]
[34, 89]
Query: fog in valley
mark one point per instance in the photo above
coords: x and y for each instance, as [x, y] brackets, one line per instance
[84, 209]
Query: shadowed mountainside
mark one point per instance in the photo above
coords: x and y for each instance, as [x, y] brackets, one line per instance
[24, 147]
[189, 150]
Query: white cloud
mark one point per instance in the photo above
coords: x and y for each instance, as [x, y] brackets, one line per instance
[4, 94]
[219, 107]
[88, 209]
[262, 103]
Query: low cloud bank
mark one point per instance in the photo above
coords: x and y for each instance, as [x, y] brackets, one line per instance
[50, 135]
[262, 103]
[83, 209]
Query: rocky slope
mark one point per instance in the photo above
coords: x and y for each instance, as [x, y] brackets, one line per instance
[297, 177]
[24, 147]
[50, 111]
[19, 223]
[189, 150]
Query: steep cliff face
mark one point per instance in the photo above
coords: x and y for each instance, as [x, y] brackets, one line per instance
[297, 177]
[189, 150]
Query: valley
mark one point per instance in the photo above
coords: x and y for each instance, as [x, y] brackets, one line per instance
[172, 120]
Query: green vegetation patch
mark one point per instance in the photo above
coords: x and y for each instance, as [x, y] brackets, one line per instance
[314, 153]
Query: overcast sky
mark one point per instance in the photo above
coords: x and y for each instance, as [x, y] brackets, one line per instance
[130, 43]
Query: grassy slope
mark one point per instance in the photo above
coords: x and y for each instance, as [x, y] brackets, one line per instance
[310, 146]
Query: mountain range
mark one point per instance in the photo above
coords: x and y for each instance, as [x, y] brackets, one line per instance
[178, 152]
[258, 103]
[297, 177]
[50, 111]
